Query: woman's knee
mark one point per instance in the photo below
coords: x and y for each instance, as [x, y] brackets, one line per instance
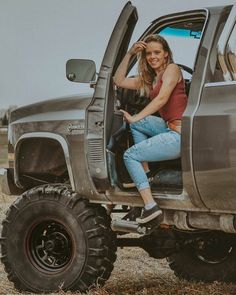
[129, 154]
[126, 155]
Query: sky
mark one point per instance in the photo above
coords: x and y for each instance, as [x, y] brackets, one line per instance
[38, 37]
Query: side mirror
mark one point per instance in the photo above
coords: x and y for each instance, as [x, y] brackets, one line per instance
[80, 70]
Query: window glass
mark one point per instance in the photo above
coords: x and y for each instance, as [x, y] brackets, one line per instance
[184, 45]
[183, 39]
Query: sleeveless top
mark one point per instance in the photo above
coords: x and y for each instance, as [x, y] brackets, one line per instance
[176, 104]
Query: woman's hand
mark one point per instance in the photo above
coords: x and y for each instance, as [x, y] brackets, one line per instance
[128, 118]
[137, 47]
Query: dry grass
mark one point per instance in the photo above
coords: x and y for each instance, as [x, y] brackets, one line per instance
[134, 273]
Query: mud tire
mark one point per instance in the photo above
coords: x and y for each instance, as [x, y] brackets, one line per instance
[217, 263]
[53, 239]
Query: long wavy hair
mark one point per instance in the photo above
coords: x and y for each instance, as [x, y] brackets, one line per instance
[145, 72]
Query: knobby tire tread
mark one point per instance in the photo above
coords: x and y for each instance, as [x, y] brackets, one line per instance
[101, 241]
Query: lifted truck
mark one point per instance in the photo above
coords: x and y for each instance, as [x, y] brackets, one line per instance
[68, 166]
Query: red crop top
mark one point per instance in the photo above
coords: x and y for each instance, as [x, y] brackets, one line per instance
[176, 104]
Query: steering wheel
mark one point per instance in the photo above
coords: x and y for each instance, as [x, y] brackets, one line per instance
[186, 69]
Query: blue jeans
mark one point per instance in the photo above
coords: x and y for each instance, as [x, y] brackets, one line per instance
[154, 141]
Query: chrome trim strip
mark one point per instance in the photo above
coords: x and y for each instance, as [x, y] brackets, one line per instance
[68, 115]
[219, 84]
[63, 144]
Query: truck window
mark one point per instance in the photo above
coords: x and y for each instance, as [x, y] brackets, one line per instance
[226, 47]
[184, 37]
[184, 40]
[215, 70]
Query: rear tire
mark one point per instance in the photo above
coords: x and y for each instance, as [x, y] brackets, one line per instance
[53, 239]
[209, 259]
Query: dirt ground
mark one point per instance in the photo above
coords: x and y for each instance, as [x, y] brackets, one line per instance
[134, 273]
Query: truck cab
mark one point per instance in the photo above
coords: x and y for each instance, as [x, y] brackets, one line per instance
[68, 158]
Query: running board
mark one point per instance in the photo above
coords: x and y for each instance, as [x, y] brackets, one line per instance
[127, 226]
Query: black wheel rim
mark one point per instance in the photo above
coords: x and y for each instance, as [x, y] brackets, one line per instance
[213, 251]
[49, 246]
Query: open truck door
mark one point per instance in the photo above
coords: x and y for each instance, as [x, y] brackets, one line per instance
[99, 114]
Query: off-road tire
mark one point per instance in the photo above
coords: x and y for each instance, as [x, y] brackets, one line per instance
[54, 239]
[187, 264]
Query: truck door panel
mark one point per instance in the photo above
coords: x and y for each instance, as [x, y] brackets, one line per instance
[99, 113]
[214, 146]
[214, 129]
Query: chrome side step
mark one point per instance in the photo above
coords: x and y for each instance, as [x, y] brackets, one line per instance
[128, 226]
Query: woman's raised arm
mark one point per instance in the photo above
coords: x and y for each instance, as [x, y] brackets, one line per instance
[120, 78]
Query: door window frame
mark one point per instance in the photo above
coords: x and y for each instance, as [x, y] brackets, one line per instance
[165, 21]
[222, 46]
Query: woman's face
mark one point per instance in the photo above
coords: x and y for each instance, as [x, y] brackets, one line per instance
[156, 56]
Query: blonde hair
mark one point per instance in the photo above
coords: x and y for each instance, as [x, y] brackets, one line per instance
[145, 72]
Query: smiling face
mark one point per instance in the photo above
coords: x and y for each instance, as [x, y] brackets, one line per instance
[156, 56]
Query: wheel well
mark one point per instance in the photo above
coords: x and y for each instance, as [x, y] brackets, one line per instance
[40, 160]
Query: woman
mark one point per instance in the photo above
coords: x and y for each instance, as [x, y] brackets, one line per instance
[155, 138]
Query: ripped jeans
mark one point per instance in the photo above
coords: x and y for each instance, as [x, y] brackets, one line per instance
[154, 141]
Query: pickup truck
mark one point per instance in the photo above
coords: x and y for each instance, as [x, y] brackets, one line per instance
[67, 167]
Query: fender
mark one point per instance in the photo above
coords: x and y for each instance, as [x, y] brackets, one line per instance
[62, 142]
